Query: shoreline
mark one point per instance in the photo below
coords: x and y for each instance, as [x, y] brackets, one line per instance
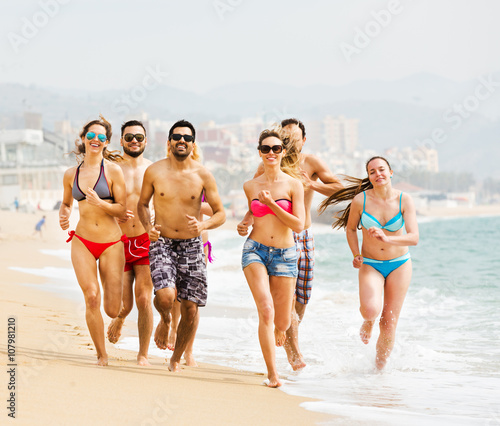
[55, 358]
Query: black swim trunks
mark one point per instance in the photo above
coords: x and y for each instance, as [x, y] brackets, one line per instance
[180, 264]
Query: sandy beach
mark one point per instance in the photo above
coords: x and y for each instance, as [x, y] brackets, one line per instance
[54, 373]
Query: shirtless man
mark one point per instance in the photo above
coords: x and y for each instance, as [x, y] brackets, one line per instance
[317, 177]
[178, 264]
[134, 141]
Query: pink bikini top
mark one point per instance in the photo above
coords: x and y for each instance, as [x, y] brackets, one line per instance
[259, 209]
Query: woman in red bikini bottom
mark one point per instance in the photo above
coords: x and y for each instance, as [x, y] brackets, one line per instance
[99, 187]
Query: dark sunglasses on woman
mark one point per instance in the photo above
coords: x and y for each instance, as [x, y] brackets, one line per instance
[266, 149]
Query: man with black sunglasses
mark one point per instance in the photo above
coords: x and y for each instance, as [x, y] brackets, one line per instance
[133, 140]
[178, 267]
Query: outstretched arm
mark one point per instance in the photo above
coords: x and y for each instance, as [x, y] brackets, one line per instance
[327, 184]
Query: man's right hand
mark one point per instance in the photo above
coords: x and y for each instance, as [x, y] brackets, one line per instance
[154, 233]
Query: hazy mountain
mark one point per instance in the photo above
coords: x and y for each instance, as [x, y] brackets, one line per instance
[399, 113]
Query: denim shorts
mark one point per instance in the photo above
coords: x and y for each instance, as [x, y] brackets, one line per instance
[279, 262]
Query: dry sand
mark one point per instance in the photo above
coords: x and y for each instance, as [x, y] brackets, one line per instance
[57, 382]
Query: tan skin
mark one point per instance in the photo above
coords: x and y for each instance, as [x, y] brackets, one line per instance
[176, 186]
[317, 177]
[97, 223]
[133, 170]
[376, 293]
[273, 295]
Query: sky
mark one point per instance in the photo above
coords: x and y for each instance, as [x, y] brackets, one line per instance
[203, 44]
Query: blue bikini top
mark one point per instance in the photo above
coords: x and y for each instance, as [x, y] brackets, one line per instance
[393, 225]
[101, 186]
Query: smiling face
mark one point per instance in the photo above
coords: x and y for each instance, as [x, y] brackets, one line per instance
[134, 148]
[379, 172]
[271, 157]
[181, 149]
[95, 144]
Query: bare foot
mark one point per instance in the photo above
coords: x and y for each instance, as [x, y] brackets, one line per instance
[102, 361]
[365, 331]
[380, 362]
[143, 361]
[279, 336]
[174, 367]
[298, 365]
[115, 329]
[172, 335]
[161, 335]
[190, 362]
[273, 382]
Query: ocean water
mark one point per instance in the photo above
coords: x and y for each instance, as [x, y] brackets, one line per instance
[445, 367]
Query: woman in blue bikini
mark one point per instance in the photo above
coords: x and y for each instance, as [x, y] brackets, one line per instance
[384, 260]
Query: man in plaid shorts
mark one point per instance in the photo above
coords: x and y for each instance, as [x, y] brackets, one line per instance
[317, 177]
[178, 267]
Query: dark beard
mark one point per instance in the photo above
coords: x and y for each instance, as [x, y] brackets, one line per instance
[133, 154]
[180, 157]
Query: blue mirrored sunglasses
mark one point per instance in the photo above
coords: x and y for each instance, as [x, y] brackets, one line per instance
[91, 135]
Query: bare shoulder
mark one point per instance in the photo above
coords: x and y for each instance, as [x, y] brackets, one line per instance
[358, 199]
[157, 166]
[69, 174]
[406, 200]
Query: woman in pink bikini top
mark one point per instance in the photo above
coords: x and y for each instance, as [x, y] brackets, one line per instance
[269, 258]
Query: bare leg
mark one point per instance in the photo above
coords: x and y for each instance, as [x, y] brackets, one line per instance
[143, 291]
[188, 353]
[396, 287]
[185, 332]
[292, 349]
[115, 327]
[86, 273]
[371, 287]
[163, 301]
[176, 315]
[258, 281]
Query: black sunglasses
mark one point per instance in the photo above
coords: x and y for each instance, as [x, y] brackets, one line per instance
[178, 137]
[266, 149]
[129, 137]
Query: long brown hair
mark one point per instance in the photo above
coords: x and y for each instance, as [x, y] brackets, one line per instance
[347, 194]
[80, 146]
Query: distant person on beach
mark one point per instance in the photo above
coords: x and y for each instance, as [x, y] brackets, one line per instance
[39, 225]
[317, 177]
[176, 310]
[98, 185]
[269, 258]
[176, 185]
[16, 204]
[384, 260]
[134, 141]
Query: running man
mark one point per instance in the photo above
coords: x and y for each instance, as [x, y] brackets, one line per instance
[178, 266]
[316, 177]
[134, 141]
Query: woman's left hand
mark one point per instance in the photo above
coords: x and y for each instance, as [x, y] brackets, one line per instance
[265, 197]
[378, 234]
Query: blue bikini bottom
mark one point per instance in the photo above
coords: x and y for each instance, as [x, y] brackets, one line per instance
[385, 267]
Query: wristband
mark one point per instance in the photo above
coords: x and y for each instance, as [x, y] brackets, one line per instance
[357, 256]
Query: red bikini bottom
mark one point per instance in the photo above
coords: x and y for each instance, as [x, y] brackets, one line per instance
[95, 248]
